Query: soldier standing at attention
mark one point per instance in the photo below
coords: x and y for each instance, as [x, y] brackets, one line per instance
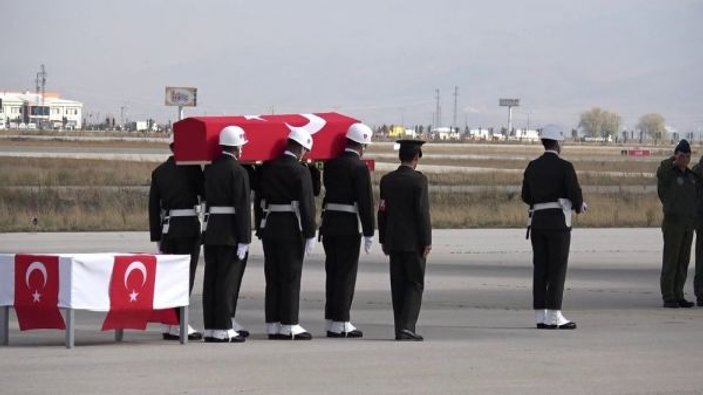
[405, 234]
[285, 214]
[173, 221]
[698, 279]
[552, 191]
[226, 237]
[677, 187]
[348, 200]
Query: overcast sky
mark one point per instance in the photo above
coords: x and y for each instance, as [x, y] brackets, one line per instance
[377, 60]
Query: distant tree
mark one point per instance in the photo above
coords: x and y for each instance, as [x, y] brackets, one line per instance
[597, 122]
[653, 126]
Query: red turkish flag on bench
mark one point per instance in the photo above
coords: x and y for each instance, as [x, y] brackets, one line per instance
[131, 292]
[37, 292]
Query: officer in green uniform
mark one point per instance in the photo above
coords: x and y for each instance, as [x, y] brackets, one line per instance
[175, 192]
[405, 234]
[677, 188]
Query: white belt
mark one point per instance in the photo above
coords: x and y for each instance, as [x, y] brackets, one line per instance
[280, 208]
[292, 207]
[186, 212]
[563, 204]
[216, 210]
[221, 210]
[545, 206]
[183, 212]
[347, 208]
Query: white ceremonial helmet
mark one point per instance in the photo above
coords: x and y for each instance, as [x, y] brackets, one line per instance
[233, 136]
[552, 132]
[359, 133]
[301, 136]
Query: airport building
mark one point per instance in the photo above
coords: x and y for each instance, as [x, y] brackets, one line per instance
[29, 111]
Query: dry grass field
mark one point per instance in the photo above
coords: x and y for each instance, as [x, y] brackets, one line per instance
[82, 194]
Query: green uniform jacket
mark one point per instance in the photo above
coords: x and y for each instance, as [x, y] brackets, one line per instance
[678, 192]
[404, 223]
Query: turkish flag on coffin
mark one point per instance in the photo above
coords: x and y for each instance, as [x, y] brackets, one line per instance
[131, 292]
[37, 292]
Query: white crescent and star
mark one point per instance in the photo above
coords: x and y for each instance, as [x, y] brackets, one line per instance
[314, 125]
[136, 265]
[36, 296]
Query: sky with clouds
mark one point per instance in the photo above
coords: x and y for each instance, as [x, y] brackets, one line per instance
[377, 60]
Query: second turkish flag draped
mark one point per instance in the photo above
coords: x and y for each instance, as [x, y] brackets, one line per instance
[37, 292]
[131, 292]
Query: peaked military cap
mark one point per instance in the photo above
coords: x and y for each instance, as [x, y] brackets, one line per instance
[409, 147]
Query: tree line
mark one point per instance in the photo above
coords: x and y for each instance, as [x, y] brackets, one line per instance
[598, 122]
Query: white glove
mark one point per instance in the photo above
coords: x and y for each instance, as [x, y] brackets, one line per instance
[584, 207]
[242, 250]
[309, 245]
[368, 242]
[158, 247]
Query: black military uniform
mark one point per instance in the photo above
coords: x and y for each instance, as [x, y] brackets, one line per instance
[285, 217]
[228, 224]
[173, 221]
[547, 182]
[678, 192]
[348, 200]
[405, 231]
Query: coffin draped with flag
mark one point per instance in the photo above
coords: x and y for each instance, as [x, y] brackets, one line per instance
[196, 139]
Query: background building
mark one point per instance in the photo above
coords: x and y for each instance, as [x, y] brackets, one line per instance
[29, 110]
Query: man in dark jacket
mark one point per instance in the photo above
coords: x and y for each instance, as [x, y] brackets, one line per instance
[677, 187]
[285, 214]
[405, 234]
[348, 201]
[226, 237]
[174, 194]
[698, 279]
[552, 191]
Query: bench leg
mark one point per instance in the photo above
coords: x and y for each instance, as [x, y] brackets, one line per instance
[4, 325]
[119, 335]
[184, 324]
[70, 318]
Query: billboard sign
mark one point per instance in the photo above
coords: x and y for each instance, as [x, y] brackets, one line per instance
[509, 102]
[181, 96]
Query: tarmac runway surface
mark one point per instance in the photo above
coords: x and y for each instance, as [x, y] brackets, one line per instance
[476, 319]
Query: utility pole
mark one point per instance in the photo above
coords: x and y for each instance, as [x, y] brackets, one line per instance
[43, 83]
[456, 95]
